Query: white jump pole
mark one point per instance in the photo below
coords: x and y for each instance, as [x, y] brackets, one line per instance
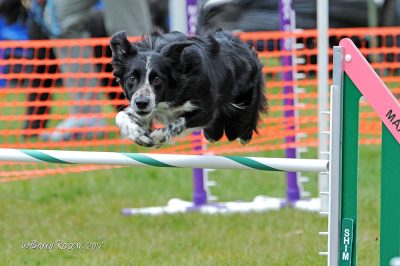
[323, 83]
[164, 160]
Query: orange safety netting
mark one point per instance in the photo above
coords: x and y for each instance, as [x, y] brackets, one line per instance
[39, 90]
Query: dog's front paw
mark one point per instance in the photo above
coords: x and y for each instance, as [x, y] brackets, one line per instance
[121, 119]
[132, 131]
[145, 141]
[159, 137]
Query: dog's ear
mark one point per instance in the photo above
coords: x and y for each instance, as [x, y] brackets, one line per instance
[174, 50]
[122, 50]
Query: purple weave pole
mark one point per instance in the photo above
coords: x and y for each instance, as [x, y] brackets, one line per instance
[199, 192]
[285, 14]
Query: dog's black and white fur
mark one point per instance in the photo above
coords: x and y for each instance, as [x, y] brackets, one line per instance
[212, 81]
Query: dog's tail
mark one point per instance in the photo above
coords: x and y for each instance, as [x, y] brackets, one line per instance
[207, 12]
[237, 15]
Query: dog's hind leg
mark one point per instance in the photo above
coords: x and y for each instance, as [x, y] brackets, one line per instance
[215, 131]
[240, 127]
[246, 137]
[233, 128]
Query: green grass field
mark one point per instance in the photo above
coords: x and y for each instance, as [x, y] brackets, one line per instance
[85, 208]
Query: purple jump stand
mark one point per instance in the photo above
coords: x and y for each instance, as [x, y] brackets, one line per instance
[286, 24]
[200, 196]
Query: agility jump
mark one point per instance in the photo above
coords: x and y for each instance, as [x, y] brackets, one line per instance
[354, 77]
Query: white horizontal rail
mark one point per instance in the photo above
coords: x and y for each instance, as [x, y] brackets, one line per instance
[164, 160]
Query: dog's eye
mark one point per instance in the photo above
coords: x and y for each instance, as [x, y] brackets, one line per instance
[157, 81]
[133, 80]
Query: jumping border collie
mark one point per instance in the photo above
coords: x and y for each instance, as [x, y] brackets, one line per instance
[212, 81]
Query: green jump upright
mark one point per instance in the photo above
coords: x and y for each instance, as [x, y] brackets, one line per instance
[360, 79]
[390, 196]
[351, 106]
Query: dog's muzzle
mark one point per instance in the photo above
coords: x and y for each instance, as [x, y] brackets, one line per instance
[143, 103]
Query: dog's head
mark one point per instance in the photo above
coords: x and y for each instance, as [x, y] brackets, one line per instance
[148, 71]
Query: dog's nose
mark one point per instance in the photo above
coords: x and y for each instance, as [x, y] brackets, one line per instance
[142, 102]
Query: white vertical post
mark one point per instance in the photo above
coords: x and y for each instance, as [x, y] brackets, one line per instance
[177, 15]
[335, 158]
[323, 62]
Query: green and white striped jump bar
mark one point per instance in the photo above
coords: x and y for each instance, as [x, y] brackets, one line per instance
[164, 160]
